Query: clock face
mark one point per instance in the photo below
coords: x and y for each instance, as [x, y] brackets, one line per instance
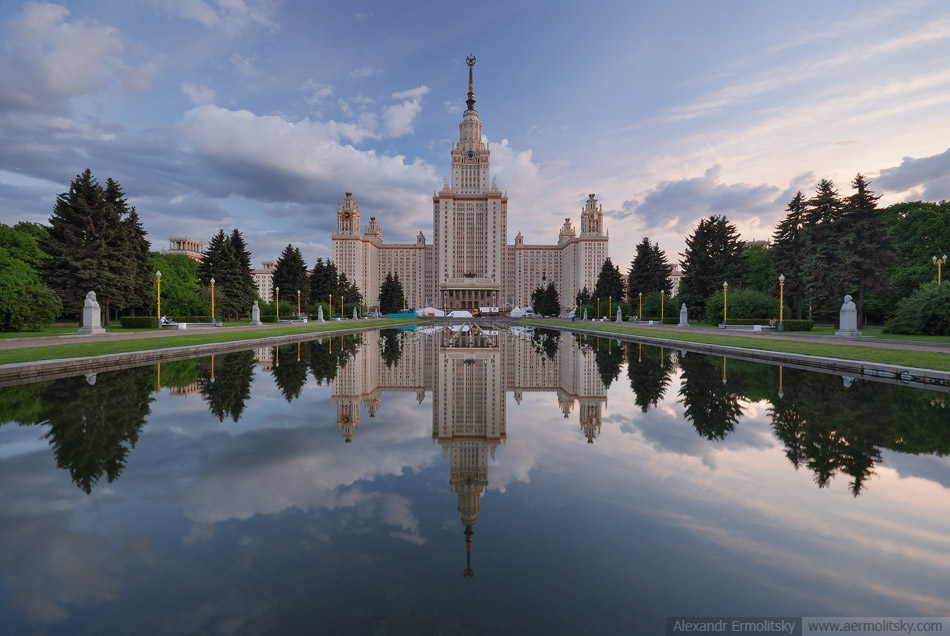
[470, 154]
[593, 216]
[346, 215]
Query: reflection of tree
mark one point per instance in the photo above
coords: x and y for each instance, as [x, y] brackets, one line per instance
[231, 386]
[830, 428]
[179, 373]
[609, 358]
[23, 403]
[712, 405]
[330, 355]
[391, 351]
[649, 370]
[546, 341]
[291, 374]
[92, 428]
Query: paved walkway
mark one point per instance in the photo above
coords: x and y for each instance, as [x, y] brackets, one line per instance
[661, 330]
[873, 343]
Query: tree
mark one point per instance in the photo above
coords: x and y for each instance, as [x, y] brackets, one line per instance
[25, 301]
[609, 282]
[228, 262]
[760, 274]
[711, 258]
[584, 297]
[138, 275]
[920, 231]
[181, 293]
[649, 271]
[323, 281]
[821, 269]
[865, 249]
[545, 300]
[213, 260]
[391, 296]
[291, 274]
[788, 247]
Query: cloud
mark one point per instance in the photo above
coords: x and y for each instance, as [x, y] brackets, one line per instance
[452, 106]
[932, 173]
[243, 65]
[676, 205]
[48, 61]
[364, 71]
[398, 119]
[232, 16]
[200, 95]
[318, 92]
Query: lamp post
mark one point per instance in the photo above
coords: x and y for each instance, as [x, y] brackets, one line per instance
[212, 300]
[640, 312]
[725, 301]
[277, 289]
[781, 302]
[938, 262]
[662, 305]
[598, 306]
[331, 305]
[610, 306]
[158, 277]
[298, 303]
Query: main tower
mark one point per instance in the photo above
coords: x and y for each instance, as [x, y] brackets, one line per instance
[470, 220]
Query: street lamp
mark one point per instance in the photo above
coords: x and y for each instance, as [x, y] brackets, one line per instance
[781, 302]
[277, 289]
[662, 308]
[212, 300]
[938, 262]
[725, 301]
[298, 303]
[331, 305]
[640, 312]
[158, 277]
[610, 306]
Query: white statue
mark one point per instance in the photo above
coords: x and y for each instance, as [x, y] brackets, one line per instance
[91, 319]
[848, 319]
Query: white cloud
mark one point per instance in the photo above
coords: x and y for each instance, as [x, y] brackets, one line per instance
[398, 120]
[412, 93]
[232, 16]
[365, 71]
[243, 66]
[200, 95]
[318, 92]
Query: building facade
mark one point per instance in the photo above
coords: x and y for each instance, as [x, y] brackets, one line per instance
[192, 248]
[470, 264]
[264, 279]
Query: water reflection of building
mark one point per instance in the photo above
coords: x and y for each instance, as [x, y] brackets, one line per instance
[468, 372]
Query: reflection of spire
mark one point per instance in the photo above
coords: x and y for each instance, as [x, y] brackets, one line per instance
[468, 572]
[470, 60]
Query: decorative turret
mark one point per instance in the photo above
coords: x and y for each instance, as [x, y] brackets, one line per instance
[470, 102]
[348, 217]
[592, 217]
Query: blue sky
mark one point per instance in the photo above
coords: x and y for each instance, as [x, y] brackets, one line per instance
[260, 114]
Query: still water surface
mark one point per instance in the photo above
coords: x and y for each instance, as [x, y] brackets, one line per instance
[466, 482]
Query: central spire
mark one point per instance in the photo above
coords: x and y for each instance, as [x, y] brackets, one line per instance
[470, 60]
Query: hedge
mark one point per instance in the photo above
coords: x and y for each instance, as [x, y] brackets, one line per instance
[192, 319]
[138, 322]
[790, 325]
[667, 320]
[269, 318]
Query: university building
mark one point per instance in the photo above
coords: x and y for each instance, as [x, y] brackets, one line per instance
[469, 262]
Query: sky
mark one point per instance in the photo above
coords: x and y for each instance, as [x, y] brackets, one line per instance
[261, 114]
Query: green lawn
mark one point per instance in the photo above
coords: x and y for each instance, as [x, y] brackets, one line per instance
[77, 350]
[939, 360]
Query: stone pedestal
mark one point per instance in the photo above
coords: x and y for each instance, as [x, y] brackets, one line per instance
[91, 319]
[849, 320]
[255, 315]
[683, 322]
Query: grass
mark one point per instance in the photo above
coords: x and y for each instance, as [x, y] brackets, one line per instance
[81, 349]
[937, 360]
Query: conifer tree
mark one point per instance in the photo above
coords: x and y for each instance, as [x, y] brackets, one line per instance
[320, 282]
[131, 268]
[788, 251]
[391, 296]
[712, 257]
[212, 261]
[239, 279]
[822, 269]
[609, 282]
[865, 250]
[291, 274]
[649, 270]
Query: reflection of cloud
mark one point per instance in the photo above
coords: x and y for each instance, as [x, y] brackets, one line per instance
[929, 467]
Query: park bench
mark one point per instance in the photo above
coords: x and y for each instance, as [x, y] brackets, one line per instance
[754, 328]
[191, 325]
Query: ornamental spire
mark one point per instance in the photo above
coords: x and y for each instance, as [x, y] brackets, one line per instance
[470, 60]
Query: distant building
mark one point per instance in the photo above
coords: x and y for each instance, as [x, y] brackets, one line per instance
[675, 277]
[264, 279]
[756, 243]
[470, 264]
[186, 247]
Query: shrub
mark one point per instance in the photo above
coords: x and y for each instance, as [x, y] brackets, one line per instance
[743, 304]
[790, 325]
[925, 312]
[191, 318]
[138, 322]
[270, 318]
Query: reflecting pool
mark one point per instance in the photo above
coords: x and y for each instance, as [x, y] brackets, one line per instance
[466, 481]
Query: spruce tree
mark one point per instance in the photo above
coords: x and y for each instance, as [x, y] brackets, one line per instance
[319, 282]
[822, 269]
[239, 278]
[788, 251]
[291, 274]
[649, 270]
[865, 250]
[391, 296]
[609, 282]
[212, 261]
[712, 257]
[130, 264]
[76, 243]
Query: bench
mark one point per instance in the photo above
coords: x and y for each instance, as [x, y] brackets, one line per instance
[191, 325]
[753, 328]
